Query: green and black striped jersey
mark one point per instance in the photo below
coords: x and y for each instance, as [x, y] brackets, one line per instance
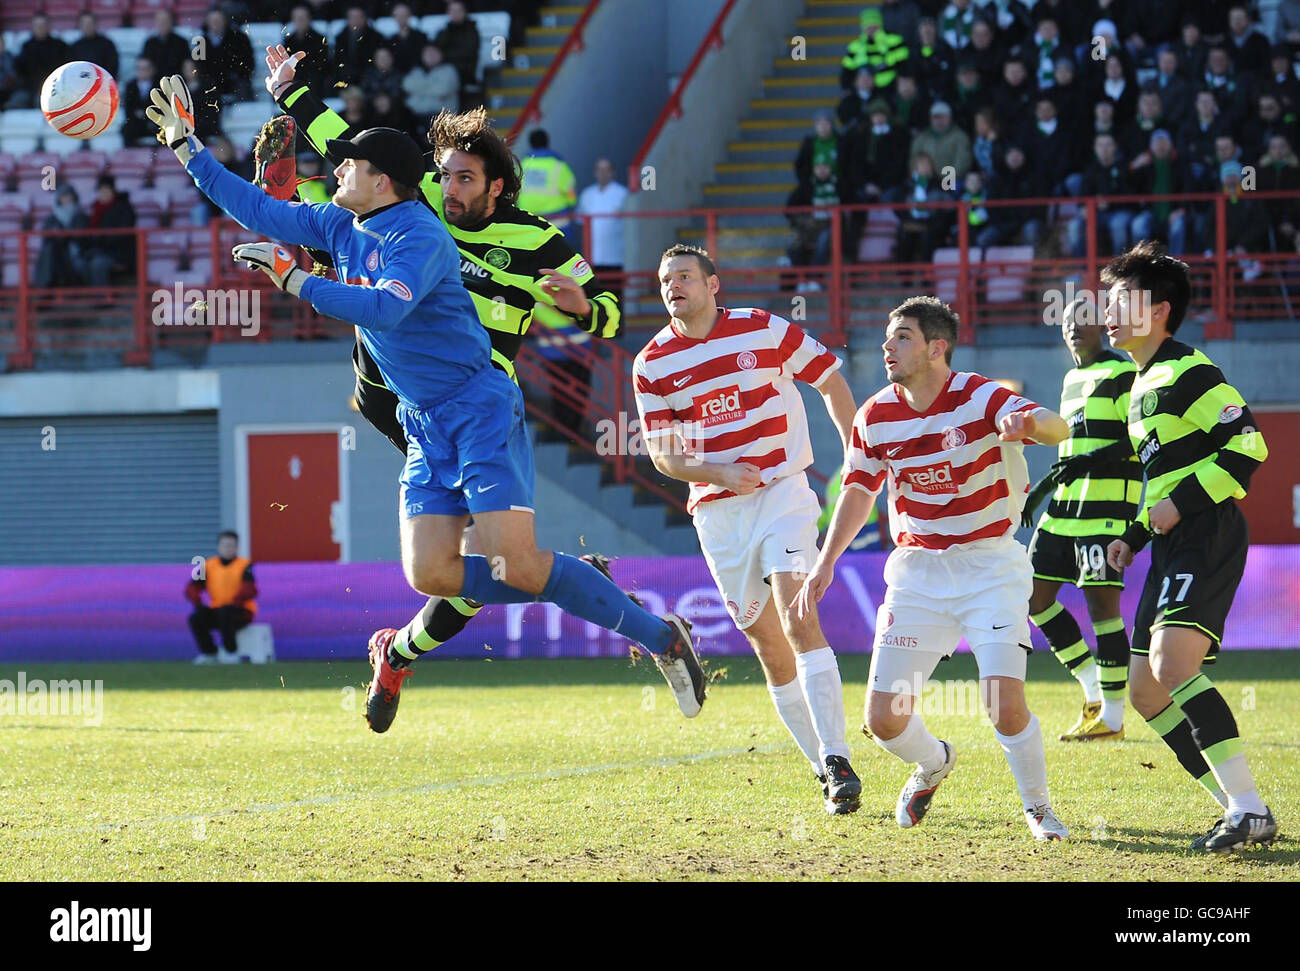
[1094, 403]
[500, 259]
[1195, 436]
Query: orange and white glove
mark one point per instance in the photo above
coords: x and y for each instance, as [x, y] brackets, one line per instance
[276, 262]
[173, 112]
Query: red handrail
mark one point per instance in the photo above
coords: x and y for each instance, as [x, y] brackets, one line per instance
[571, 43]
[673, 109]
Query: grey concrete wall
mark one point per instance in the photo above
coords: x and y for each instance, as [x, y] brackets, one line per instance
[606, 97]
[714, 102]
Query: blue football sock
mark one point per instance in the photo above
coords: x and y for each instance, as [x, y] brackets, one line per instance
[579, 589]
[482, 586]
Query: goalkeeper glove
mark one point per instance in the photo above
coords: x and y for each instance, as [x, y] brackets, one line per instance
[275, 261]
[173, 112]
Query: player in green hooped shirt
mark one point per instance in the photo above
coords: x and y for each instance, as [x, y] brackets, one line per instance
[1094, 487]
[1198, 445]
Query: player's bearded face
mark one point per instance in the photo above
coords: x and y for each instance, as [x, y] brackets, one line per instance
[466, 192]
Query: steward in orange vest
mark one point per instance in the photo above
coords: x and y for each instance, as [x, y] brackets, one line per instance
[228, 581]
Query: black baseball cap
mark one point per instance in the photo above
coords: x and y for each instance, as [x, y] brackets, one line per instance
[393, 152]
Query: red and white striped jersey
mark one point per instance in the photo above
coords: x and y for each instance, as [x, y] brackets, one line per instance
[951, 479]
[731, 395]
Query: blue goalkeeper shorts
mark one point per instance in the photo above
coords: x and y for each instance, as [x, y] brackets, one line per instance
[469, 453]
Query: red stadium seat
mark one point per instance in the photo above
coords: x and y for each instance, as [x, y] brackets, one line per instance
[163, 271]
[82, 162]
[63, 14]
[947, 272]
[15, 205]
[1007, 282]
[136, 162]
[109, 12]
[150, 205]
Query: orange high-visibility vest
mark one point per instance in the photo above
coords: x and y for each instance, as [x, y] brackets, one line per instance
[224, 580]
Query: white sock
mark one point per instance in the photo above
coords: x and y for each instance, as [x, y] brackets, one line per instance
[915, 744]
[819, 677]
[1024, 754]
[1112, 713]
[1233, 775]
[793, 712]
[1087, 677]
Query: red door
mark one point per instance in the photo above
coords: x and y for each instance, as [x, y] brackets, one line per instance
[1272, 506]
[293, 496]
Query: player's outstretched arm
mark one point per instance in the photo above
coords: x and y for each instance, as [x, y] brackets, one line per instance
[314, 118]
[411, 271]
[1041, 426]
[173, 112]
[838, 398]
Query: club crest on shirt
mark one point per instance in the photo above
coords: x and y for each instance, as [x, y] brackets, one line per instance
[746, 360]
[1149, 402]
[953, 437]
[1229, 413]
[497, 257]
[372, 261]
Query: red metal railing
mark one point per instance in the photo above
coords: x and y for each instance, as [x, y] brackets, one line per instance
[673, 109]
[571, 43]
[988, 288]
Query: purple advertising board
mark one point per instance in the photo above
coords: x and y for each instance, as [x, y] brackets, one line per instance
[327, 611]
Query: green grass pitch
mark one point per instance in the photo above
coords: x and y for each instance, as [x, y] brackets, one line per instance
[546, 770]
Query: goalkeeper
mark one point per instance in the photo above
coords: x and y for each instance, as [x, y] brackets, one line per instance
[469, 452]
[517, 267]
[1094, 488]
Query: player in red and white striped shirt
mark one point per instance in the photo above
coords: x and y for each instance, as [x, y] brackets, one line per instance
[719, 409]
[948, 444]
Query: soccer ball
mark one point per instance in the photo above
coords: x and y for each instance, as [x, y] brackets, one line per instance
[79, 99]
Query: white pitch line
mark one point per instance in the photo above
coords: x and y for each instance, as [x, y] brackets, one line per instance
[475, 782]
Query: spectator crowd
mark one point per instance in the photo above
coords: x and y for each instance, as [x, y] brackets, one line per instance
[1006, 100]
[398, 79]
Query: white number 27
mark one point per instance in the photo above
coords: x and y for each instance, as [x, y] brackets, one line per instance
[1182, 591]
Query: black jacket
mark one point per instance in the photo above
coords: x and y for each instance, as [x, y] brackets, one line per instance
[96, 49]
[460, 44]
[37, 58]
[167, 53]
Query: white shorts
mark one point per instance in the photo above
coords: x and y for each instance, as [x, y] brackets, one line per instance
[933, 599]
[745, 539]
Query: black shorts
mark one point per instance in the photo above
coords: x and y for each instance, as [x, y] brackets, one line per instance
[378, 406]
[1079, 560]
[1195, 571]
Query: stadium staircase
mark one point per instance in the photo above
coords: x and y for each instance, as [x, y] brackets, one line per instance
[529, 62]
[759, 170]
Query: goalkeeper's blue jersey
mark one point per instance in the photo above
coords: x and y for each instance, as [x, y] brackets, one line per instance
[399, 281]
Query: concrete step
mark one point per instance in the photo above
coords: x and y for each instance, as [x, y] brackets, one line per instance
[813, 86]
[770, 173]
[778, 129]
[790, 109]
[561, 15]
[539, 56]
